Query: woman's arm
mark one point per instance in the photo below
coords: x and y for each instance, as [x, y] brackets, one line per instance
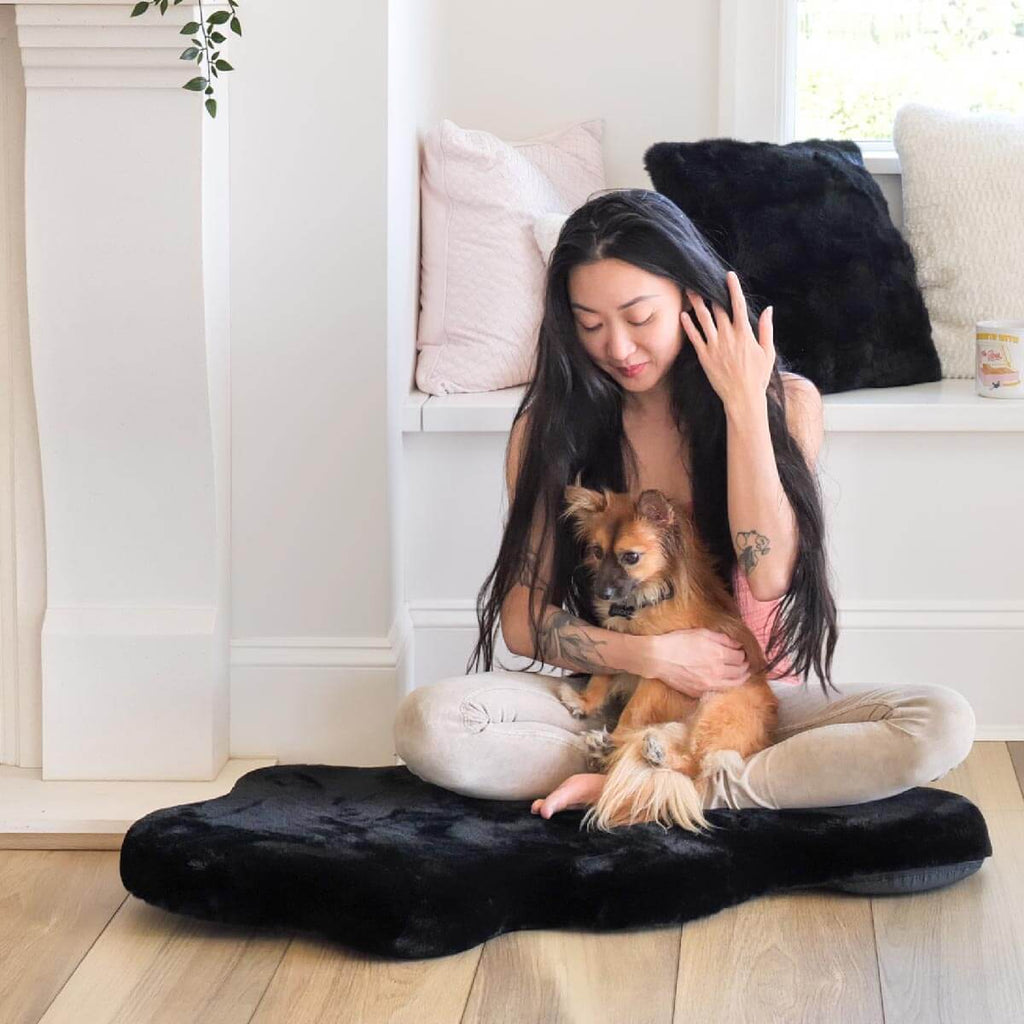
[567, 641]
[738, 364]
[762, 520]
[563, 640]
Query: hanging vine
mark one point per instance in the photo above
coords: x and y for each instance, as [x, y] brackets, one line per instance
[206, 40]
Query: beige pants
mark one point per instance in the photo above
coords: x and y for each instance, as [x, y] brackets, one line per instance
[505, 735]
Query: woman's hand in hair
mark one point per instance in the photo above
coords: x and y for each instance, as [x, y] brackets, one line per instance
[694, 661]
[577, 791]
[738, 365]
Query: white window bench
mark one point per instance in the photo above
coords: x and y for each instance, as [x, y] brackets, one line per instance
[924, 491]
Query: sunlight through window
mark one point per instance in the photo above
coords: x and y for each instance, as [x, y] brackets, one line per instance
[856, 64]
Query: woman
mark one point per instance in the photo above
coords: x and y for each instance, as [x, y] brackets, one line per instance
[651, 372]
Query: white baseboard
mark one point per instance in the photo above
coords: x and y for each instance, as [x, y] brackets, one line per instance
[320, 700]
[133, 692]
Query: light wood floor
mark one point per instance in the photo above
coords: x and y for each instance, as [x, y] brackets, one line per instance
[75, 947]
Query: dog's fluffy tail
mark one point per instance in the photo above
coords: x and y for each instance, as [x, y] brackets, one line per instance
[637, 790]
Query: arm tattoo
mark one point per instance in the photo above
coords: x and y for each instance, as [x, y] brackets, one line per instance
[753, 546]
[527, 569]
[561, 636]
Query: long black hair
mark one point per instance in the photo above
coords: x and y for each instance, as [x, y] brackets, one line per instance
[575, 428]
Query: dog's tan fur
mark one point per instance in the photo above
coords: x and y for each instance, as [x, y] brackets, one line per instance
[666, 744]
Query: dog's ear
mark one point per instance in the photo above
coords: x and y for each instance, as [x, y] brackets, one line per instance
[655, 507]
[583, 501]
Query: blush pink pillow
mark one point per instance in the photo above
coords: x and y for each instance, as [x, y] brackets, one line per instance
[481, 271]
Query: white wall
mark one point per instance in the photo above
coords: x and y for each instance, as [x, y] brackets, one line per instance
[309, 314]
[413, 29]
[312, 667]
[649, 69]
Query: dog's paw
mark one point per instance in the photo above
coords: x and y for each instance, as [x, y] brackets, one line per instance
[598, 744]
[569, 696]
[653, 750]
[714, 760]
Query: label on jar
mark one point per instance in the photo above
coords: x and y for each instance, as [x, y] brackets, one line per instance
[1000, 344]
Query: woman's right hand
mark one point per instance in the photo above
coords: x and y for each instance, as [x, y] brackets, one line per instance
[694, 661]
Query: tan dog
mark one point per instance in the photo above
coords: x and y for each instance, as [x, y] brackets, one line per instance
[652, 574]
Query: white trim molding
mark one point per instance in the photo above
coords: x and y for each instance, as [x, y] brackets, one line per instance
[102, 46]
[128, 327]
[320, 699]
[756, 70]
[942, 405]
[22, 534]
[880, 157]
[460, 613]
[383, 652]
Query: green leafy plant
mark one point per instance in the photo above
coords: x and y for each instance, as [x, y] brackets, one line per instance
[205, 42]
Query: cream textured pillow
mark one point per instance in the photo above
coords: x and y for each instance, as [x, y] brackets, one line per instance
[963, 218]
[481, 272]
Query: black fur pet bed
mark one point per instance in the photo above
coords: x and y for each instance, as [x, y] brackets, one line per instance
[385, 863]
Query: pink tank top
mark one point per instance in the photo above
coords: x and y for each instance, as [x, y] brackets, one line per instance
[757, 615]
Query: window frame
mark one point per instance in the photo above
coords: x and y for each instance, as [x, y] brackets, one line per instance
[757, 42]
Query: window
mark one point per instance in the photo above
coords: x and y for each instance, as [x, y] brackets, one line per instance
[856, 64]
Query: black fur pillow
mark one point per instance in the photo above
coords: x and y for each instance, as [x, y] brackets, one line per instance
[809, 231]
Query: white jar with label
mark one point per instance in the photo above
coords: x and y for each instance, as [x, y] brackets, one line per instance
[1000, 358]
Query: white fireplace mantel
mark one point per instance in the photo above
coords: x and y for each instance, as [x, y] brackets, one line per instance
[127, 270]
[77, 45]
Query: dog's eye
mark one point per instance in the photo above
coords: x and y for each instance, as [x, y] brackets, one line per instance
[631, 557]
[595, 551]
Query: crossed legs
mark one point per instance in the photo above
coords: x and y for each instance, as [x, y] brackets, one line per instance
[505, 735]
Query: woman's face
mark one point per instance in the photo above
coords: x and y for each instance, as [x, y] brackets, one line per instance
[627, 317]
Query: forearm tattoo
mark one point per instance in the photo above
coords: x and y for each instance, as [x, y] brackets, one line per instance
[527, 570]
[753, 546]
[561, 637]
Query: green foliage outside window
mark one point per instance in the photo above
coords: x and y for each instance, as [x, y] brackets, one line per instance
[858, 63]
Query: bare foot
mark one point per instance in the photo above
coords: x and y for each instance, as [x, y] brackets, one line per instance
[577, 791]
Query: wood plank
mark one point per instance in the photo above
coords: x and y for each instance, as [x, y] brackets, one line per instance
[957, 953]
[986, 778]
[152, 965]
[320, 981]
[731, 964]
[622, 977]
[52, 907]
[1016, 750]
[794, 956]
